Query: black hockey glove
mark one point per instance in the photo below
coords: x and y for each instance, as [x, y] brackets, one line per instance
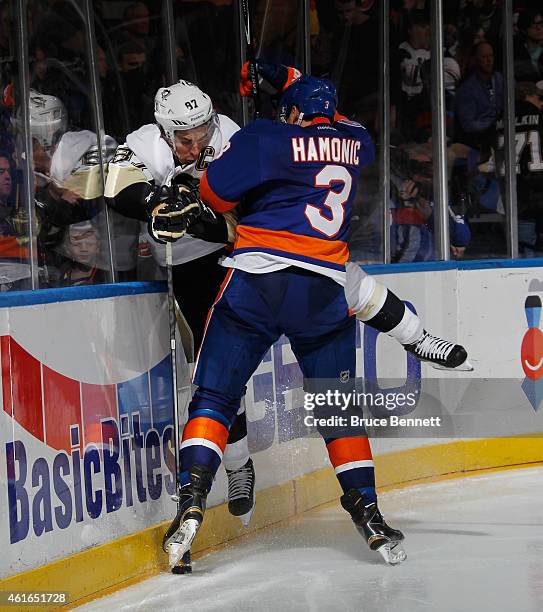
[202, 223]
[171, 210]
[183, 179]
[209, 226]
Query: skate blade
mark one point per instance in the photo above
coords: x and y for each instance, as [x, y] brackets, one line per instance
[463, 367]
[184, 566]
[246, 518]
[393, 553]
[182, 541]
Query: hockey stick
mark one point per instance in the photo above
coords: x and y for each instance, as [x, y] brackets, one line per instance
[172, 320]
[250, 53]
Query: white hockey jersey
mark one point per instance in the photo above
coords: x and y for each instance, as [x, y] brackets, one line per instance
[149, 158]
[75, 163]
[411, 65]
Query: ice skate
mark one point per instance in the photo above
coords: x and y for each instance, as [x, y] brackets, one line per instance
[190, 514]
[442, 354]
[372, 527]
[241, 492]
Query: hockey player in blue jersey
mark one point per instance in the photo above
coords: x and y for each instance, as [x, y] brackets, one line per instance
[287, 276]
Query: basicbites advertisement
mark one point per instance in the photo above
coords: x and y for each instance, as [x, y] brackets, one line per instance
[86, 422]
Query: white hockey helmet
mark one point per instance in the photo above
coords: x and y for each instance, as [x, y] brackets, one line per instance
[48, 119]
[183, 106]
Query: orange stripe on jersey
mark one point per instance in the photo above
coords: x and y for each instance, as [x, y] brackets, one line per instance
[334, 251]
[338, 117]
[209, 313]
[202, 427]
[211, 198]
[347, 450]
[318, 120]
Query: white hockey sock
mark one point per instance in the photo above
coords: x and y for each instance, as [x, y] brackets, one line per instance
[236, 454]
[408, 330]
[375, 305]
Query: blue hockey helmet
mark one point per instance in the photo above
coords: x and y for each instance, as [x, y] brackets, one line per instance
[312, 96]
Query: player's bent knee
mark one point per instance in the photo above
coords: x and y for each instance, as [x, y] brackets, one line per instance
[215, 405]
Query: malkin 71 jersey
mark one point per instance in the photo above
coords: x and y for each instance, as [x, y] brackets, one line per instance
[529, 156]
[297, 185]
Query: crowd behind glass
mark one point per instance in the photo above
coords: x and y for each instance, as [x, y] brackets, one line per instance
[76, 237]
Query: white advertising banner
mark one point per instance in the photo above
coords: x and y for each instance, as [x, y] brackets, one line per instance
[86, 427]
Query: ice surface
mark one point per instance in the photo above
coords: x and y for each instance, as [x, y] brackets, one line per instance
[473, 544]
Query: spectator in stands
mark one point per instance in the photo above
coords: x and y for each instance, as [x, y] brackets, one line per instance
[6, 207]
[529, 47]
[115, 104]
[5, 178]
[468, 40]
[60, 66]
[137, 83]
[413, 5]
[529, 138]
[14, 269]
[136, 23]
[479, 103]
[399, 17]
[484, 15]
[407, 85]
[139, 61]
[352, 13]
[206, 34]
[136, 36]
[412, 230]
[349, 36]
[7, 44]
[81, 248]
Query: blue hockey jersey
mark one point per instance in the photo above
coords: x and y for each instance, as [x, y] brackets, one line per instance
[298, 185]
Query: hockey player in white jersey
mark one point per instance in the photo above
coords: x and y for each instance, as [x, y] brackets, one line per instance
[162, 159]
[68, 180]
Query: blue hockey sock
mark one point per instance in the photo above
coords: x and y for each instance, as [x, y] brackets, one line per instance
[370, 496]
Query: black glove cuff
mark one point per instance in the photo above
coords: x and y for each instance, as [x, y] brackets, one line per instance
[210, 228]
[157, 195]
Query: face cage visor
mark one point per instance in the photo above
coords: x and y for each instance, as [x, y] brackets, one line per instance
[201, 135]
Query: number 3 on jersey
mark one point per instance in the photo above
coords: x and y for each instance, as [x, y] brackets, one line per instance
[335, 201]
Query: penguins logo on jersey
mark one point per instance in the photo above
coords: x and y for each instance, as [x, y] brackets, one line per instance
[122, 154]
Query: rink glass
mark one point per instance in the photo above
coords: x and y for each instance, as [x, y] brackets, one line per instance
[201, 41]
[207, 51]
[68, 176]
[15, 234]
[345, 41]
